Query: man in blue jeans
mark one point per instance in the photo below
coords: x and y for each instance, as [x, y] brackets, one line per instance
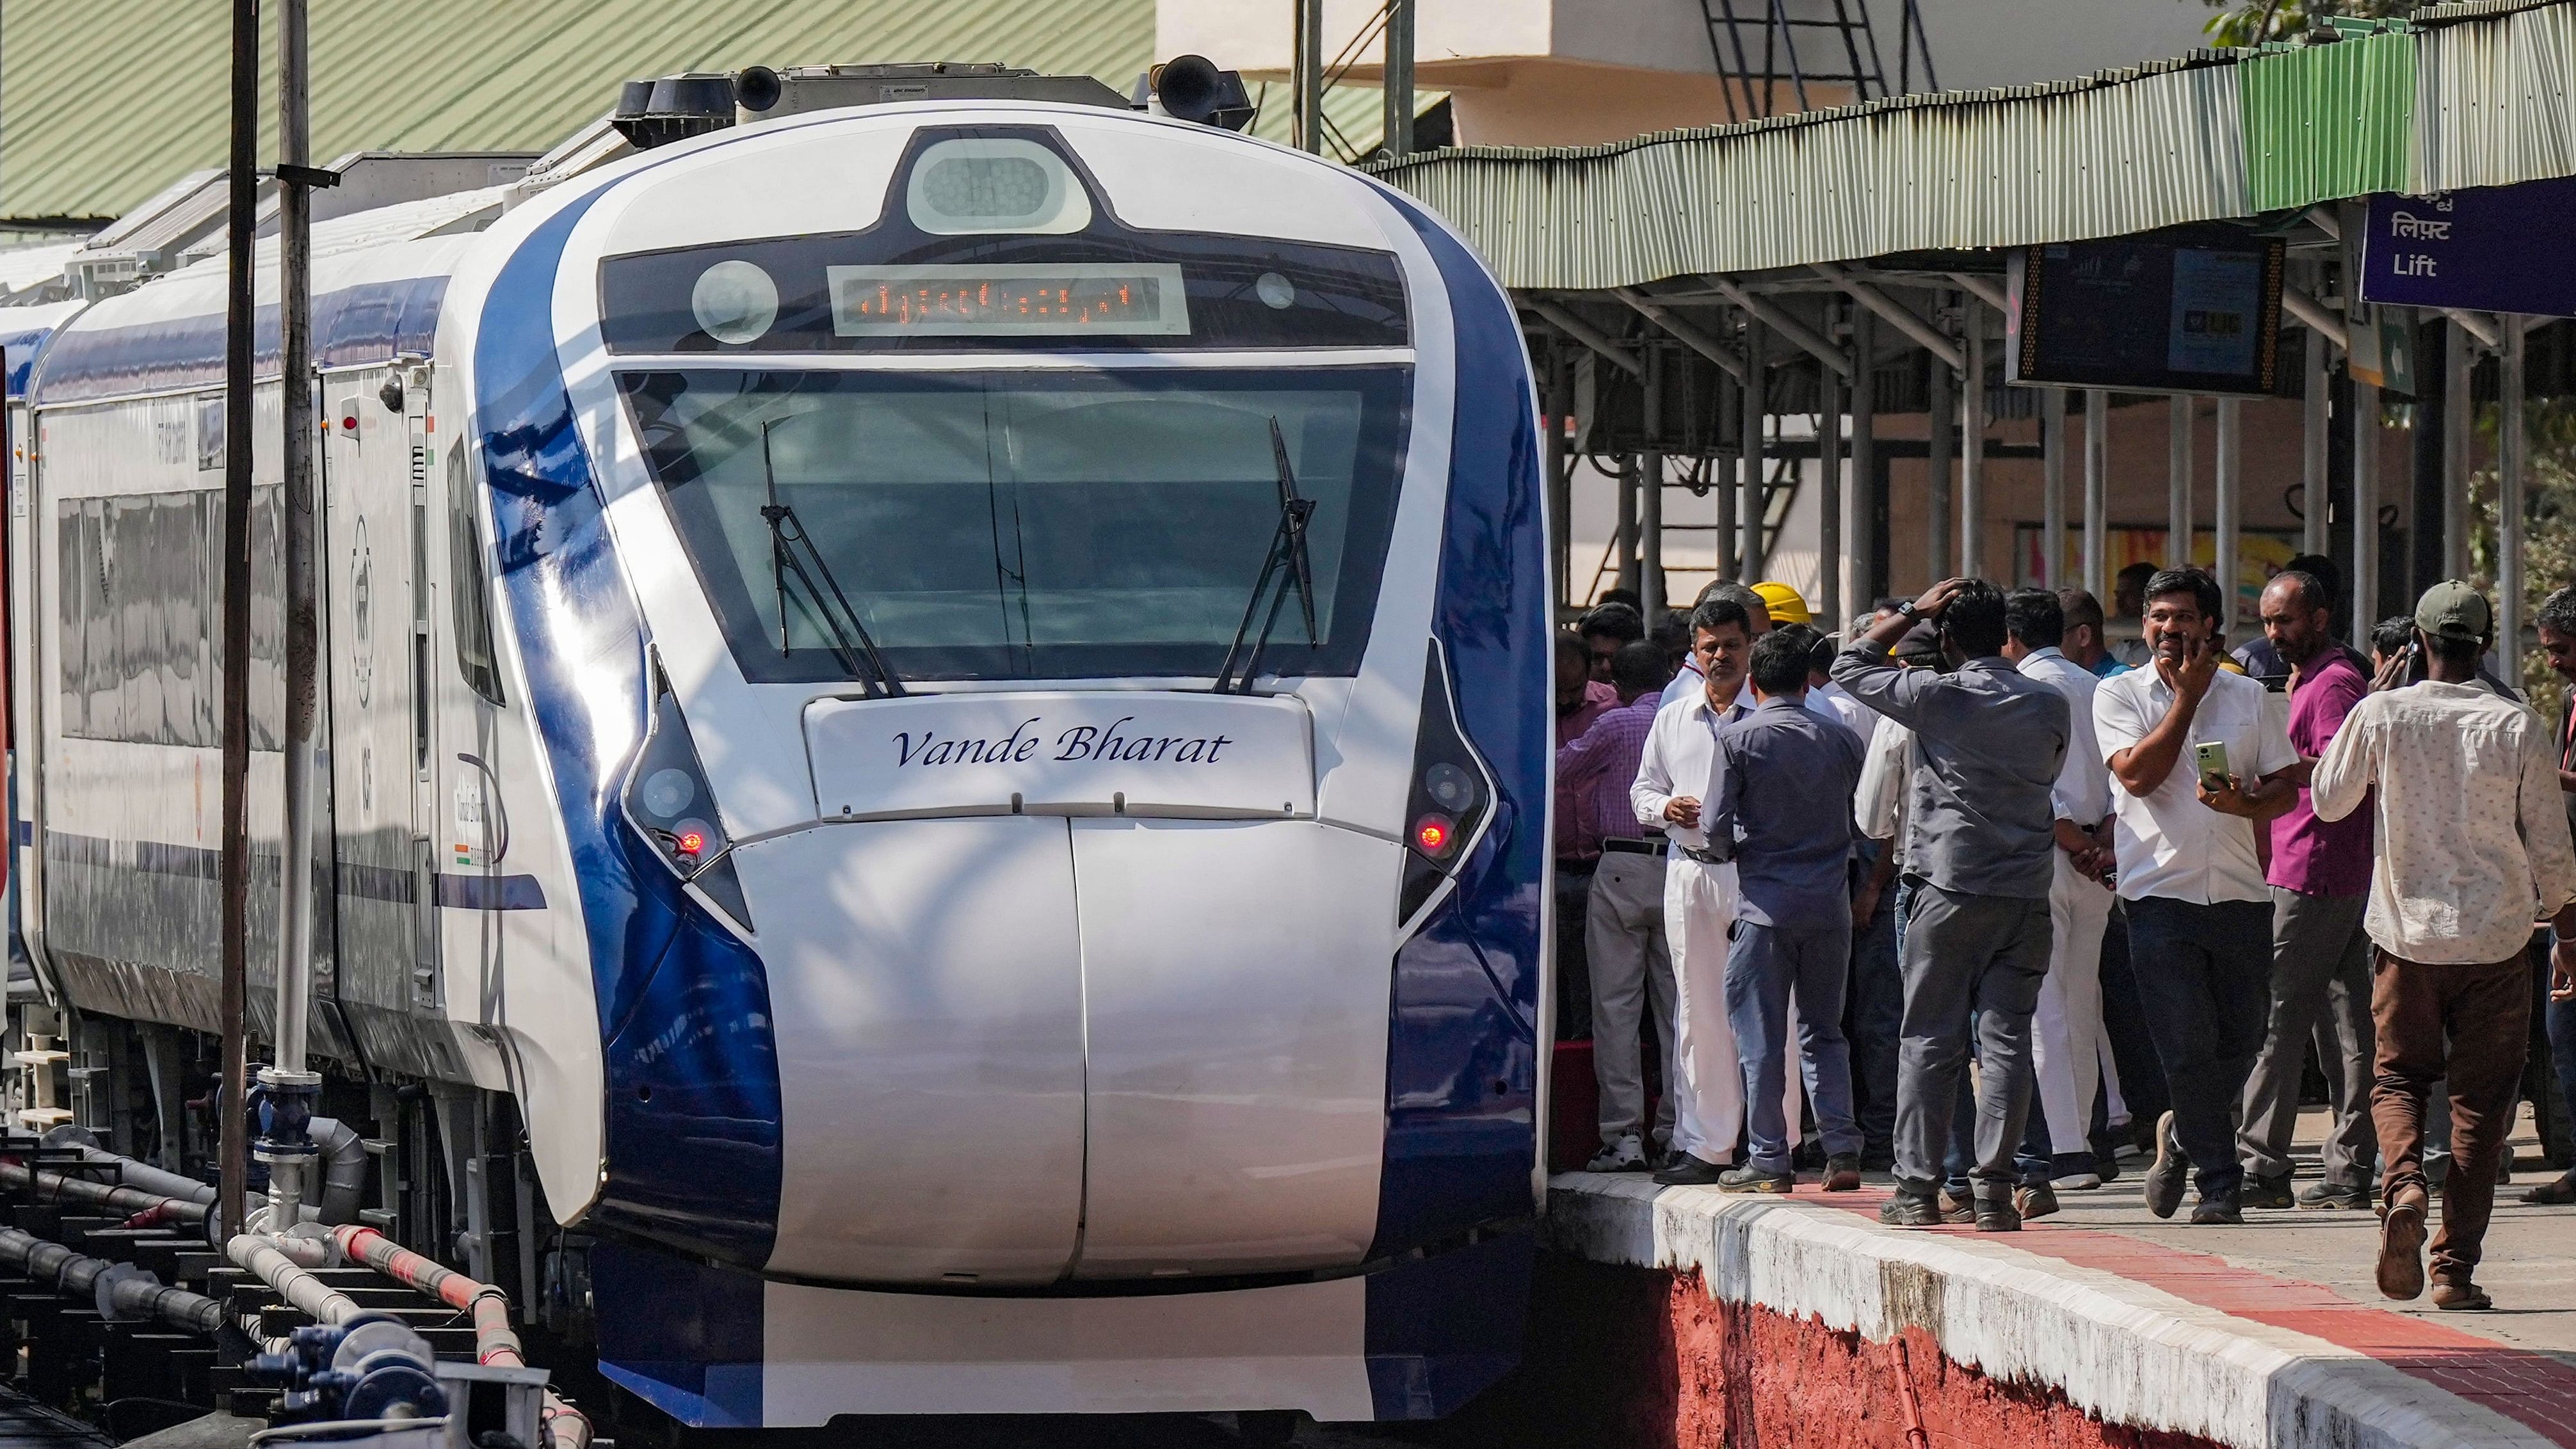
[1779, 805]
[2200, 912]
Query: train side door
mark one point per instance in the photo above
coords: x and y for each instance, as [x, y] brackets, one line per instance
[375, 492]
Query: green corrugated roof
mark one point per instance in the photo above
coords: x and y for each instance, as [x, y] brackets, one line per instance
[103, 102]
[2329, 121]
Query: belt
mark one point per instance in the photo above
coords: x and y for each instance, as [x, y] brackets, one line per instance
[1704, 857]
[1632, 847]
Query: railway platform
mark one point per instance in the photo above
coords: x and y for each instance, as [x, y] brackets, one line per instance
[1680, 1316]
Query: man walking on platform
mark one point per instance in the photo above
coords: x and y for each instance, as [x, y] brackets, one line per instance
[1779, 804]
[2066, 1026]
[2472, 848]
[1624, 918]
[2320, 877]
[2201, 762]
[1980, 843]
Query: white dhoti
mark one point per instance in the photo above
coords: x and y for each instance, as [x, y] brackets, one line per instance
[2068, 1048]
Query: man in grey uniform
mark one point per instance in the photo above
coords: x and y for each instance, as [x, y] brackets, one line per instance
[1980, 853]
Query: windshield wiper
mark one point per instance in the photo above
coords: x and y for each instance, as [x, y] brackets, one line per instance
[853, 646]
[1288, 564]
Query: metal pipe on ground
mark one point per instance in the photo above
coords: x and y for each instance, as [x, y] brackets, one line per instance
[495, 1342]
[55, 1187]
[261, 1257]
[139, 1175]
[129, 1294]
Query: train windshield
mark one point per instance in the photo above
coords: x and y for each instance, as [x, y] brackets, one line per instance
[1023, 524]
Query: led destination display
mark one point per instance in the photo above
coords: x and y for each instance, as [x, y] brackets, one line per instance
[1145, 300]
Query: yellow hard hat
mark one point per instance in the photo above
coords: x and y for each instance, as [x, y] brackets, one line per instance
[1784, 603]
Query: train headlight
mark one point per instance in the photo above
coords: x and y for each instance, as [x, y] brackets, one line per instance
[1452, 796]
[734, 301]
[978, 184]
[669, 804]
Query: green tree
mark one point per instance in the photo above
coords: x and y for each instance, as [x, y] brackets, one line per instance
[2251, 22]
[2548, 526]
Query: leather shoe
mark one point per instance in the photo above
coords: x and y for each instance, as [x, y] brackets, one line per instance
[2401, 1247]
[2461, 1296]
[2219, 1209]
[1690, 1171]
[1996, 1215]
[1905, 1210]
[2557, 1192]
[2267, 1192]
[1842, 1173]
[2037, 1200]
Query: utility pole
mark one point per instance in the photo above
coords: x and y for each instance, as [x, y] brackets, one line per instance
[242, 181]
[1399, 77]
[287, 1148]
[1306, 76]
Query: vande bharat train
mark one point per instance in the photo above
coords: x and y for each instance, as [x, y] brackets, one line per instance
[937, 758]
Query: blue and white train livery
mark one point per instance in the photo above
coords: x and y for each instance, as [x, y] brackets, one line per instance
[949, 700]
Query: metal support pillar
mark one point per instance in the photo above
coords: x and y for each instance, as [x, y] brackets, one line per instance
[1560, 478]
[1865, 580]
[1749, 510]
[2513, 456]
[2365, 507]
[1306, 76]
[1972, 442]
[1624, 541]
[2316, 399]
[2097, 493]
[2223, 556]
[2052, 484]
[1943, 424]
[1724, 475]
[1650, 496]
[2178, 482]
[242, 181]
[2456, 425]
[1830, 494]
[292, 1089]
[1398, 82]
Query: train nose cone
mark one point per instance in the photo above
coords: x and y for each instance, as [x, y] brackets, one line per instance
[1014, 1049]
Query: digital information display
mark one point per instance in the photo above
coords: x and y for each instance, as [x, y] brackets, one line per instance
[2146, 316]
[1146, 300]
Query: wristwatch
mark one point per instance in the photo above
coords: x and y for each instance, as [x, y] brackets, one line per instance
[1909, 610]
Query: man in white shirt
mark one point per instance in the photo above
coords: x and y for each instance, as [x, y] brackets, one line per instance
[2200, 912]
[1699, 892]
[2472, 847]
[2066, 1027]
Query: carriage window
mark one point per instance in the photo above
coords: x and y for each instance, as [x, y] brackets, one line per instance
[141, 603]
[469, 584]
[1038, 524]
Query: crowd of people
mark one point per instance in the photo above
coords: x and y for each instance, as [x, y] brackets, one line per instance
[1990, 902]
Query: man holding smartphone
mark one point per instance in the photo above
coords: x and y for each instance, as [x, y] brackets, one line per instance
[2200, 763]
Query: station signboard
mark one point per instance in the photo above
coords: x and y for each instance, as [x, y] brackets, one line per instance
[2488, 249]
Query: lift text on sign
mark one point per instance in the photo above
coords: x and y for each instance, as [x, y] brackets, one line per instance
[2490, 249]
[1143, 752]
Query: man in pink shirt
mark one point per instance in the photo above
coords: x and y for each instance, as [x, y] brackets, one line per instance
[1580, 699]
[2320, 879]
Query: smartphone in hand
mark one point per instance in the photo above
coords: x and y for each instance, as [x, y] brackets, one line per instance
[2211, 760]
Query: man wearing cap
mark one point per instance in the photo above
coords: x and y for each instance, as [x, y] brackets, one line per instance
[2472, 847]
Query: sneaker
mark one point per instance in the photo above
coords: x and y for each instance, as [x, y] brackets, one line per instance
[1842, 1173]
[1957, 1209]
[1626, 1154]
[2401, 1248]
[1905, 1210]
[1997, 1215]
[2036, 1200]
[2218, 1209]
[2164, 1178]
[2077, 1182]
[2328, 1195]
[1750, 1178]
[2267, 1192]
[1690, 1171]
